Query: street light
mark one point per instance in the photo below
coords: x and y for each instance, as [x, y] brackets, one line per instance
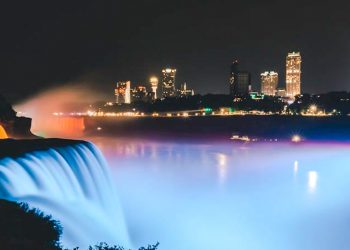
[313, 108]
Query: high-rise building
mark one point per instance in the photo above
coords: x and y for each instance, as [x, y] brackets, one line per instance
[139, 93]
[269, 83]
[281, 92]
[293, 74]
[154, 87]
[233, 76]
[122, 92]
[168, 82]
[239, 80]
[184, 91]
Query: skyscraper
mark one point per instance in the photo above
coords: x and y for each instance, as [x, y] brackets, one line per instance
[154, 87]
[184, 91]
[233, 73]
[139, 93]
[168, 82]
[293, 74]
[122, 92]
[239, 80]
[269, 82]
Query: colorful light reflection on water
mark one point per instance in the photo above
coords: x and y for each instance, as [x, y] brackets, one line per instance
[202, 196]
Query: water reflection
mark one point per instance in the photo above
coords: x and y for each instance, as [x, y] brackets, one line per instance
[296, 167]
[222, 166]
[173, 187]
[312, 181]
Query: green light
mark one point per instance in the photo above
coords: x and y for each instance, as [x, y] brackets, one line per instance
[208, 110]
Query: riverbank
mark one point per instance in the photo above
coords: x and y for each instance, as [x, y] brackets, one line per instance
[281, 127]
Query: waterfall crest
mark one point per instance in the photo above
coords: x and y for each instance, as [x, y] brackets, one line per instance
[69, 180]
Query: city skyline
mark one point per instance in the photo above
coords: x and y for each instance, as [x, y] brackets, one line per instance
[174, 125]
[239, 82]
[99, 42]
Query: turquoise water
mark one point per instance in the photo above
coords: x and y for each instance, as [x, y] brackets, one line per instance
[218, 195]
[190, 195]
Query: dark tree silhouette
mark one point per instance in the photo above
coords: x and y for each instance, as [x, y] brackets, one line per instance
[23, 228]
[104, 246]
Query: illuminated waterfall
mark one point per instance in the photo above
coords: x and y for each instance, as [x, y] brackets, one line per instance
[71, 183]
[3, 134]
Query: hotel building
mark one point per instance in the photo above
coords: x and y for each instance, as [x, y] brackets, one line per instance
[269, 83]
[293, 74]
[168, 82]
[122, 92]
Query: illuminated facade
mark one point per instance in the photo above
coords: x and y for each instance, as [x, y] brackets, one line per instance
[184, 91]
[139, 93]
[154, 87]
[281, 92]
[122, 92]
[239, 81]
[256, 96]
[269, 82]
[293, 74]
[168, 82]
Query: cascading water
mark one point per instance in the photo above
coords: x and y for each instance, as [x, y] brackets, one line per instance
[72, 183]
[3, 134]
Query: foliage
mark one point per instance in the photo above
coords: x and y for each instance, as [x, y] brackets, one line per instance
[199, 102]
[104, 246]
[26, 229]
[337, 102]
[268, 104]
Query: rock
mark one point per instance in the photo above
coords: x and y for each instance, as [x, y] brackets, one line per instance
[15, 127]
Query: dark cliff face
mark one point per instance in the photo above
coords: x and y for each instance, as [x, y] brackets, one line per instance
[15, 127]
[6, 111]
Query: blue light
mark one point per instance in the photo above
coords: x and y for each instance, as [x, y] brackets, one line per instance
[73, 185]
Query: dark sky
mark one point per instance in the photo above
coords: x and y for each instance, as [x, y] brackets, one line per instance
[50, 43]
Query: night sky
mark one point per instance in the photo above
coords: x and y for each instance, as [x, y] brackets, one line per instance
[53, 43]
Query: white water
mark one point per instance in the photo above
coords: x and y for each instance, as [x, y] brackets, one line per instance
[72, 184]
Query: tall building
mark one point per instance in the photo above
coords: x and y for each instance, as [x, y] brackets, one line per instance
[239, 80]
[293, 74]
[184, 91]
[122, 92]
[154, 87]
[139, 93]
[269, 83]
[281, 92]
[168, 82]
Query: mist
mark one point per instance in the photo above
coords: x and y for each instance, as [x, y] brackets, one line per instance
[71, 98]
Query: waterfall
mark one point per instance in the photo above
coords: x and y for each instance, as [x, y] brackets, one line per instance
[3, 134]
[71, 182]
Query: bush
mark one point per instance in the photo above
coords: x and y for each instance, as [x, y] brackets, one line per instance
[104, 246]
[22, 228]
[27, 229]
